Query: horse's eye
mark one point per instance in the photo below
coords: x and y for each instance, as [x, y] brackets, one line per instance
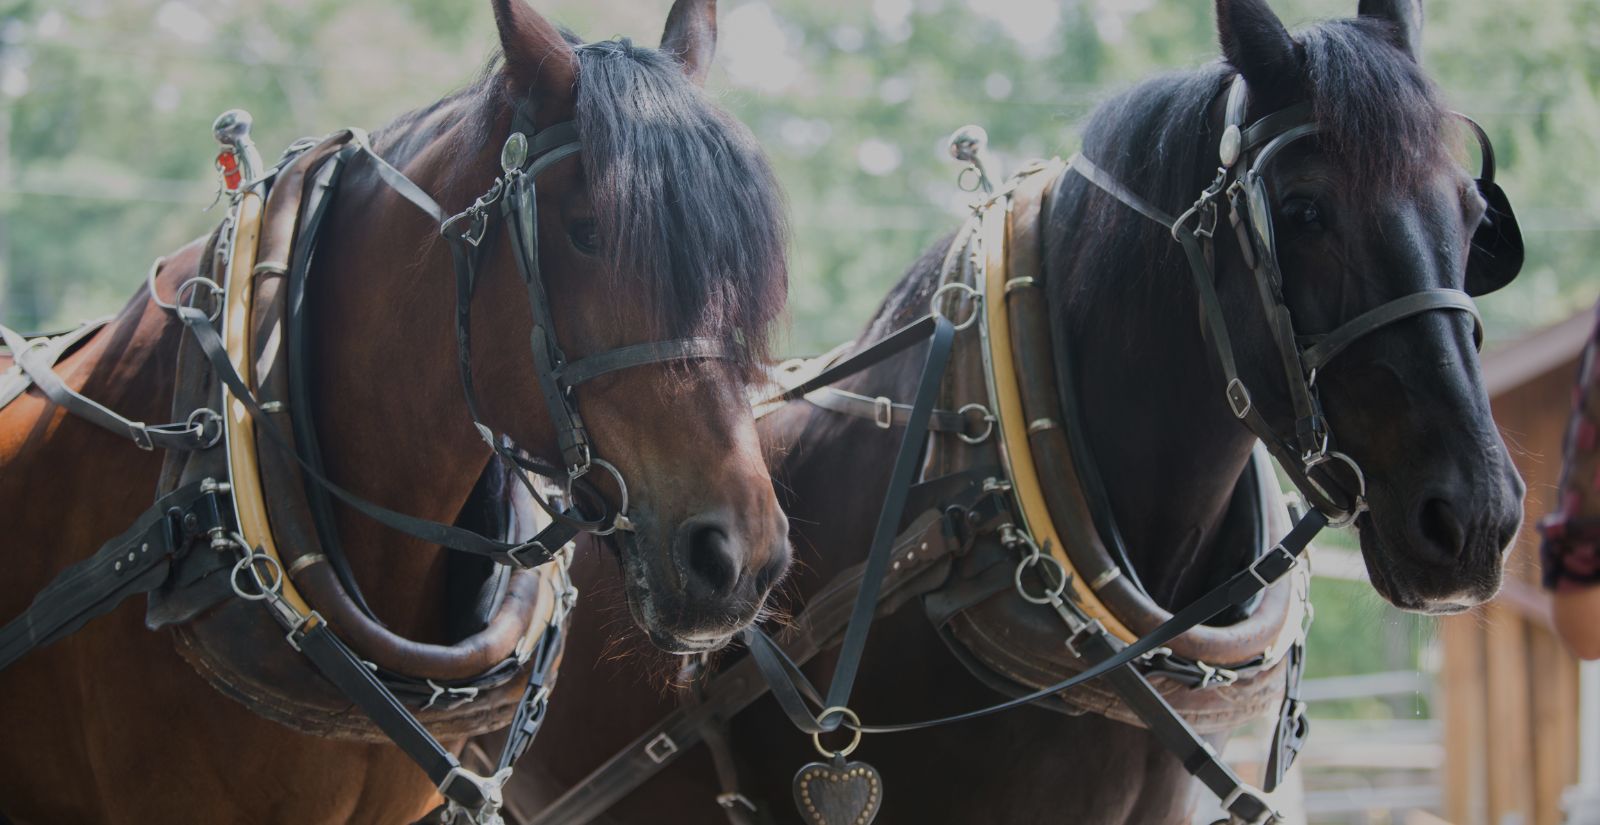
[1302, 212]
[584, 237]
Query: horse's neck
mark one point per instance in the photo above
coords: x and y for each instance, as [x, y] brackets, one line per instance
[388, 403]
[1169, 453]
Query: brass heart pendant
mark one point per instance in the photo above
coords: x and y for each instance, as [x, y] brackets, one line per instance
[838, 792]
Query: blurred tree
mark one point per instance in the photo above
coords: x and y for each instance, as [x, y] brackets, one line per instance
[105, 108]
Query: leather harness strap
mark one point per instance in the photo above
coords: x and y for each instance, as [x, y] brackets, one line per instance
[187, 435]
[884, 412]
[135, 562]
[923, 550]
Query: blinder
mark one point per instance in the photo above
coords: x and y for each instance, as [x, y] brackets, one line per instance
[1497, 251]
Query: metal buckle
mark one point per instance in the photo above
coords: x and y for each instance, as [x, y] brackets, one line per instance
[728, 800]
[883, 412]
[1238, 398]
[297, 631]
[1242, 790]
[1206, 202]
[660, 748]
[1255, 571]
[522, 564]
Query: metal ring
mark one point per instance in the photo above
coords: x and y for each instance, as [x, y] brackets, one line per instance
[620, 521]
[966, 184]
[1050, 596]
[199, 280]
[988, 420]
[1360, 504]
[208, 416]
[977, 298]
[852, 721]
[263, 592]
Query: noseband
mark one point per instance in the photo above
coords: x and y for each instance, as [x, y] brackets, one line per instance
[1245, 152]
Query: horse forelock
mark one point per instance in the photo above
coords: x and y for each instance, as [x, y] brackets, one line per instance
[686, 205]
[1383, 120]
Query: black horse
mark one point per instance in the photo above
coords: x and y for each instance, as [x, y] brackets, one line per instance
[1375, 208]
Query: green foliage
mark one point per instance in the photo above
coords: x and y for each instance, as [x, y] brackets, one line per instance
[105, 111]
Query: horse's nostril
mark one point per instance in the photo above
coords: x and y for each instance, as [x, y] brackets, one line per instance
[1442, 533]
[713, 567]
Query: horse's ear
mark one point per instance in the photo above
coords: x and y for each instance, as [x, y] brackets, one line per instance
[1256, 43]
[536, 53]
[691, 36]
[1406, 18]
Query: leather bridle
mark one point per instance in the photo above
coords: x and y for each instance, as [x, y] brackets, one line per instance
[142, 559]
[1246, 152]
[527, 152]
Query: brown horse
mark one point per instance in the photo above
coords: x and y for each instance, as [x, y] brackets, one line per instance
[667, 224]
[1407, 402]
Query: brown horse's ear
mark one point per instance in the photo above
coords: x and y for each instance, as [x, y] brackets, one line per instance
[1255, 42]
[1406, 18]
[536, 53]
[691, 36]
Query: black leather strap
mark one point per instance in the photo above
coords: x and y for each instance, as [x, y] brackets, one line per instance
[896, 342]
[1293, 727]
[900, 480]
[1239, 588]
[525, 554]
[193, 435]
[135, 562]
[883, 411]
[1173, 731]
[1321, 349]
[355, 680]
[637, 355]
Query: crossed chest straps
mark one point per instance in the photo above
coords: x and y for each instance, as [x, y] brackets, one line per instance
[1241, 185]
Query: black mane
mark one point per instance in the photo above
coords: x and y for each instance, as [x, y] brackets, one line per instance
[684, 198]
[1383, 121]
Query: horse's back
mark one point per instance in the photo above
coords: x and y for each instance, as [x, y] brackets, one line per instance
[110, 724]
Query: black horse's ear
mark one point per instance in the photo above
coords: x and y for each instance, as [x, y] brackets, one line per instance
[537, 56]
[691, 36]
[1256, 43]
[1405, 16]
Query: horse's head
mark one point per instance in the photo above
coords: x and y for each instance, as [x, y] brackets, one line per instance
[1374, 204]
[668, 224]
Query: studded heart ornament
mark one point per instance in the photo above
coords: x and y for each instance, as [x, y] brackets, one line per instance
[837, 792]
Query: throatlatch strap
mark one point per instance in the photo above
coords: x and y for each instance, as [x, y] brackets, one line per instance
[135, 562]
